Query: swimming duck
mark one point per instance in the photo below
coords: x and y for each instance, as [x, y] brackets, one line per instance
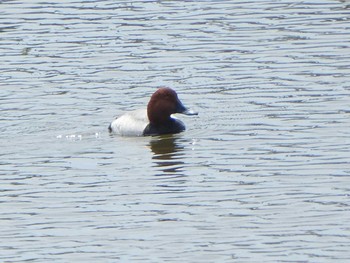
[156, 119]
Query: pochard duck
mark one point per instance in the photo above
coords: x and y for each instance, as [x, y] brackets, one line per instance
[156, 119]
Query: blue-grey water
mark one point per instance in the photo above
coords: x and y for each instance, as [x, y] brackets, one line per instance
[261, 175]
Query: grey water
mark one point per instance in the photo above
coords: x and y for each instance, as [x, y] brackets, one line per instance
[261, 175]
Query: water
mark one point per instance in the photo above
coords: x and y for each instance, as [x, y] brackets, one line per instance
[261, 175]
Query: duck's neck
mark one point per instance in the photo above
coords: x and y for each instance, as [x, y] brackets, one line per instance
[158, 117]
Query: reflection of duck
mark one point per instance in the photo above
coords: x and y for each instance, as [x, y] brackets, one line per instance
[167, 154]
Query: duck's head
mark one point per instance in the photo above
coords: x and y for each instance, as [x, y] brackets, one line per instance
[163, 103]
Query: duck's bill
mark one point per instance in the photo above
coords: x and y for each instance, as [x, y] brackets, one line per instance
[180, 108]
[189, 112]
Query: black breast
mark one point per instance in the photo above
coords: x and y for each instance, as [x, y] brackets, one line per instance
[172, 126]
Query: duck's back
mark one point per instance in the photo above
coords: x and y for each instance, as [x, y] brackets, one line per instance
[132, 123]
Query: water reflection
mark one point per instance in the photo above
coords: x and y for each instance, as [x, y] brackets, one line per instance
[168, 154]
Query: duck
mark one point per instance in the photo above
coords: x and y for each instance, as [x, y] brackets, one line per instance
[157, 119]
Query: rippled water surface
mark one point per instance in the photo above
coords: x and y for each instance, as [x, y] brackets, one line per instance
[261, 175]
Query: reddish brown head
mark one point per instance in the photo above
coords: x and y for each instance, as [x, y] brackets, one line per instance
[162, 104]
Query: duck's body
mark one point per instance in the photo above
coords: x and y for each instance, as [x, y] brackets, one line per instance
[156, 119]
[132, 123]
